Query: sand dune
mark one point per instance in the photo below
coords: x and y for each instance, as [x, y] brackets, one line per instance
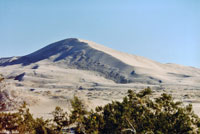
[97, 74]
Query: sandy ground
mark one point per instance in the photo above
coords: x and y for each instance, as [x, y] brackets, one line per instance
[47, 83]
[57, 86]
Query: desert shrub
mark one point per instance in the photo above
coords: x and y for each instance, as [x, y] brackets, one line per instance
[60, 118]
[23, 122]
[9, 121]
[78, 114]
[137, 113]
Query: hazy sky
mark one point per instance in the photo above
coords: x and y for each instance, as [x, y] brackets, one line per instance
[167, 31]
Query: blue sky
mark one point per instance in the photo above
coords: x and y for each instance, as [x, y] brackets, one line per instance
[167, 31]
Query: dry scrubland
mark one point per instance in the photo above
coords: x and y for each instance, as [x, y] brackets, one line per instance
[137, 113]
[51, 76]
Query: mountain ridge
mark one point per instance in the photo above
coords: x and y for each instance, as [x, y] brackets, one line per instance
[117, 66]
[81, 56]
[57, 72]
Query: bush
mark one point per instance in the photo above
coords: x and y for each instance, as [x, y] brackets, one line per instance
[23, 122]
[137, 113]
[60, 118]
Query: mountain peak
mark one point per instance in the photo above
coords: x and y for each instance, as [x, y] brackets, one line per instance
[117, 66]
[54, 49]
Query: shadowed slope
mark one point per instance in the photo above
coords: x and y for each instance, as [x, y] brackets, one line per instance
[76, 54]
[114, 65]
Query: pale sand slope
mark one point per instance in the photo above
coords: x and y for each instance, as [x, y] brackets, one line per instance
[152, 68]
[51, 76]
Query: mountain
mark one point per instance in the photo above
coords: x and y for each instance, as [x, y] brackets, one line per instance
[75, 66]
[114, 65]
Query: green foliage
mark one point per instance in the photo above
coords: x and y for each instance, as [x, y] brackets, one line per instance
[9, 121]
[137, 113]
[60, 118]
[27, 121]
[77, 114]
[23, 122]
[78, 110]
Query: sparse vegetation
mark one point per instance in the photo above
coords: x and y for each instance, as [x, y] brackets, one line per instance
[23, 122]
[60, 118]
[137, 113]
[1, 78]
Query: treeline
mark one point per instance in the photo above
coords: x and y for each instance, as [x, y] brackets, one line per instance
[136, 114]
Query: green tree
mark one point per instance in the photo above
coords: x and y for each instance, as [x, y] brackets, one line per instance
[138, 113]
[78, 114]
[9, 121]
[60, 118]
[42, 126]
[23, 122]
